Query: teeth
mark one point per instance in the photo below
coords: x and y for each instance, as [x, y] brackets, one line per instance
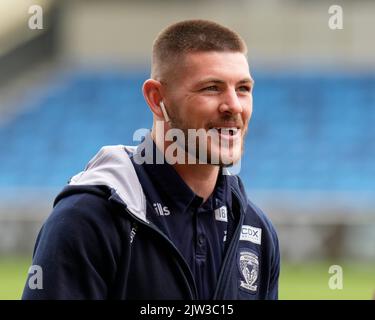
[231, 131]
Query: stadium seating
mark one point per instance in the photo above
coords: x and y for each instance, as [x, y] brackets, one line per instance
[310, 131]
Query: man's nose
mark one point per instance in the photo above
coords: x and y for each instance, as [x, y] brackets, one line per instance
[231, 102]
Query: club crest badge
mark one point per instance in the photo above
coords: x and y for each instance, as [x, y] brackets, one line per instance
[249, 269]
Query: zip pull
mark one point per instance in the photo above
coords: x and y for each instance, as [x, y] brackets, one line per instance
[133, 231]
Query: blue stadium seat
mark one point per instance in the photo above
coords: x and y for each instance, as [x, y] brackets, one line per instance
[310, 131]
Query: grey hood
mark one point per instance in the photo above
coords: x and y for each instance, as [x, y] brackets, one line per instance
[112, 167]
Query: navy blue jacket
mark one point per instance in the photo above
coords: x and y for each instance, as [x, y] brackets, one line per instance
[98, 244]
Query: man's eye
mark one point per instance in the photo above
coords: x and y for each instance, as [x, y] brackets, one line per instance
[211, 88]
[244, 89]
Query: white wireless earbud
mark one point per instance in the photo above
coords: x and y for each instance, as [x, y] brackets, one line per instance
[162, 106]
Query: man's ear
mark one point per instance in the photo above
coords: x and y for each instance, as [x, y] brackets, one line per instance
[152, 93]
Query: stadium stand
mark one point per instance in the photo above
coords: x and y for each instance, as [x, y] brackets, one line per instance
[309, 131]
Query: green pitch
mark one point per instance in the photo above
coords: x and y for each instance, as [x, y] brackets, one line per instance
[13, 272]
[310, 282]
[307, 281]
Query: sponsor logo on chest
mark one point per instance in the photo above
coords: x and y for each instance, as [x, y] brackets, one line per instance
[252, 234]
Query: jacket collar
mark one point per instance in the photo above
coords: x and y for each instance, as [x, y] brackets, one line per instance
[113, 168]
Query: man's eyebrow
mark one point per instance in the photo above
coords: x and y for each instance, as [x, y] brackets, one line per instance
[209, 80]
[219, 81]
[247, 80]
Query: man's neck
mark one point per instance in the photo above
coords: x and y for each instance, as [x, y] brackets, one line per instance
[201, 178]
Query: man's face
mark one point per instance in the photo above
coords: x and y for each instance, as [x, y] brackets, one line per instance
[213, 91]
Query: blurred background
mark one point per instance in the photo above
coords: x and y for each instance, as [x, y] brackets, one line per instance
[75, 85]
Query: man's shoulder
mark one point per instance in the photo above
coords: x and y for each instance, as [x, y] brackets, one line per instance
[82, 205]
[81, 197]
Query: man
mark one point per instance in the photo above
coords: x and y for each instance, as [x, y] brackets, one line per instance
[165, 220]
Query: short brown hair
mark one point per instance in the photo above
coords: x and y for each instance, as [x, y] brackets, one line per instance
[192, 36]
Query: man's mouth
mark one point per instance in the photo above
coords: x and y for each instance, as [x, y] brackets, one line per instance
[227, 131]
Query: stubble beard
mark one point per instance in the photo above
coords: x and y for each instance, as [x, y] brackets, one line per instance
[203, 153]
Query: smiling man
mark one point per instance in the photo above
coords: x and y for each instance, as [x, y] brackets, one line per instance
[132, 227]
[219, 81]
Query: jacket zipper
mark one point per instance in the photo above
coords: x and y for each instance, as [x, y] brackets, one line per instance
[193, 290]
[225, 269]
